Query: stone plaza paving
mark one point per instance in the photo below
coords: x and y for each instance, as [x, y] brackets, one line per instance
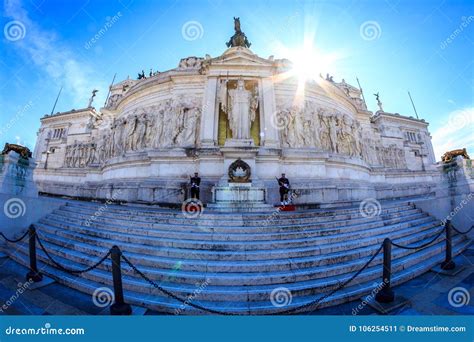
[427, 295]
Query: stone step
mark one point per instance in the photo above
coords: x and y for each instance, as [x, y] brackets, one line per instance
[96, 247]
[235, 260]
[255, 235]
[221, 277]
[210, 225]
[75, 237]
[157, 301]
[237, 220]
[286, 227]
[208, 244]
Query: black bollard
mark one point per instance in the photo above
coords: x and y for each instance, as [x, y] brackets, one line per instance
[119, 307]
[386, 295]
[448, 263]
[33, 275]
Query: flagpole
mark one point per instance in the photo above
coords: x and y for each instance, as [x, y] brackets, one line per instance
[55, 102]
[110, 88]
[416, 113]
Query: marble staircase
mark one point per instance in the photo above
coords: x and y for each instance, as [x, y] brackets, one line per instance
[236, 260]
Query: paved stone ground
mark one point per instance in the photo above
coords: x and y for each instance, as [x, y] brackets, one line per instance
[427, 295]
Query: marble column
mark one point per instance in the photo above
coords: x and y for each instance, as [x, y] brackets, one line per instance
[270, 137]
[209, 119]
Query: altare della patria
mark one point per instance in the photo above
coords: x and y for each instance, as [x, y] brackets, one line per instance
[223, 176]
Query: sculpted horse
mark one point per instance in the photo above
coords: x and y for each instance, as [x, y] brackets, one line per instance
[448, 156]
[23, 151]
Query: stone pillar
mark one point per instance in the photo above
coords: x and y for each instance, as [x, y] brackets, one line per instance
[209, 119]
[16, 176]
[268, 126]
[18, 195]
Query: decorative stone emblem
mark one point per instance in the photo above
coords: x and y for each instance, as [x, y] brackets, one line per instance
[239, 172]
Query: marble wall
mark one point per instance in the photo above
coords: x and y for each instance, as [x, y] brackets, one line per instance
[164, 127]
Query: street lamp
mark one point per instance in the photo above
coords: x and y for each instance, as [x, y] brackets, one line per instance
[47, 156]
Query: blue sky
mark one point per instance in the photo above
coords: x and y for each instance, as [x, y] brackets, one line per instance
[426, 47]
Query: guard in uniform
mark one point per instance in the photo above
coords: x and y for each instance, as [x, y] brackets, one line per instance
[195, 183]
[284, 184]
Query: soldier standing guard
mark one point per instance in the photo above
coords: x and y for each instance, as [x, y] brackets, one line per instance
[284, 184]
[195, 183]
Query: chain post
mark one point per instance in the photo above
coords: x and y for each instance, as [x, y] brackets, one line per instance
[119, 307]
[33, 275]
[386, 294]
[448, 263]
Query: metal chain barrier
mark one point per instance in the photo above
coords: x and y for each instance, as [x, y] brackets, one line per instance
[318, 301]
[311, 305]
[68, 270]
[315, 303]
[14, 240]
[168, 293]
[420, 246]
[462, 233]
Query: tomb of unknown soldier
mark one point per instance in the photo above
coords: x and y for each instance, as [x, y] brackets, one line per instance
[222, 186]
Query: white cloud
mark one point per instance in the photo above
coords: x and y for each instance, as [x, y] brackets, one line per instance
[57, 60]
[456, 132]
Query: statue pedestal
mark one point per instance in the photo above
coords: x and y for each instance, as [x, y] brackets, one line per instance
[239, 197]
[239, 143]
[16, 176]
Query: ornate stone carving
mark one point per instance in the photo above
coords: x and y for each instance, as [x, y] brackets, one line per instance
[239, 172]
[392, 157]
[172, 122]
[190, 63]
[79, 155]
[314, 127]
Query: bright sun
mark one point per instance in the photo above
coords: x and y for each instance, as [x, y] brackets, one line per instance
[308, 63]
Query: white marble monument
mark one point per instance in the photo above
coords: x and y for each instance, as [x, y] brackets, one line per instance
[205, 114]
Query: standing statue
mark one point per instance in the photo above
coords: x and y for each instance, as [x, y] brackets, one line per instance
[240, 113]
[94, 92]
[140, 133]
[332, 125]
[239, 38]
[141, 75]
[377, 97]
